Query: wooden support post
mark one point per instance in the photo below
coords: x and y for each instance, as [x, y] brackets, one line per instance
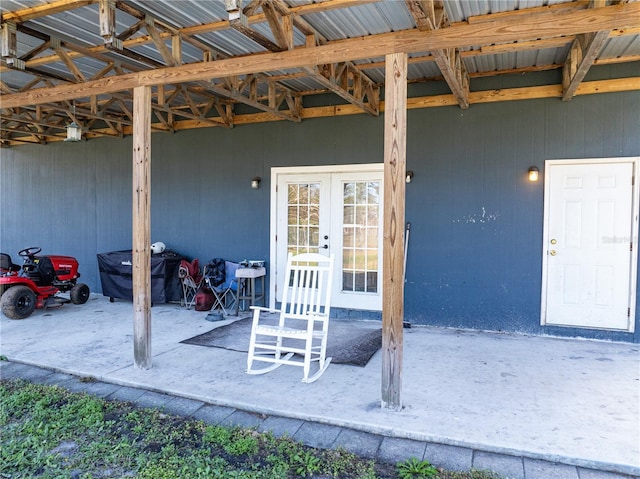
[141, 268]
[395, 162]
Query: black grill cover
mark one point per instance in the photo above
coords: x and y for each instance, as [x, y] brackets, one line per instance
[115, 276]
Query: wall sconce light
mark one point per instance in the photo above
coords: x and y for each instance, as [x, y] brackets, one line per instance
[534, 174]
[255, 182]
[409, 176]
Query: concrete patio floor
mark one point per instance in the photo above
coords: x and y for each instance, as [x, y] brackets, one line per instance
[568, 402]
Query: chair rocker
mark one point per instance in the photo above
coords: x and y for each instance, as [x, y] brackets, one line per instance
[191, 279]
[299, 336]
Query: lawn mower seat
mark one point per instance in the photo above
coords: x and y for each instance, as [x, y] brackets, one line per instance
[7, 265]
[40, 270]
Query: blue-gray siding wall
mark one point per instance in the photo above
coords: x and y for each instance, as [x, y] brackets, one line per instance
[475, 250]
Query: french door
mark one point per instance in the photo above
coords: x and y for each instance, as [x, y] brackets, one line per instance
[338, 211]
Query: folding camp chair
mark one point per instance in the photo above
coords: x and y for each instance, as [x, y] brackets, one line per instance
[191, 279]
[302, 326]
[226, 293]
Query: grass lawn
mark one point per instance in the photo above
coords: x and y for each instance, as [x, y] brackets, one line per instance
[49, 432]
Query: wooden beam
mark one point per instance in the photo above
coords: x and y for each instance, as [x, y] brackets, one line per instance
[241, 24]
[583, 52]
[395, 162]
[528, 27]
[582, 55]
[163, 49]
[38, 11]
[141, 254]
[187, 32]
[281, 25]
[348, 82]
[489, 96]
[430, 15]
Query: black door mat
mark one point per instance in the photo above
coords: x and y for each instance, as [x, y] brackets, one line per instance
[349, 342]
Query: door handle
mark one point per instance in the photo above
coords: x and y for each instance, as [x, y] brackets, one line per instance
[552, 252]
[325, 246]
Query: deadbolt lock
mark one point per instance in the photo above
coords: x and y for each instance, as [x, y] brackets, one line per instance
[554, 241]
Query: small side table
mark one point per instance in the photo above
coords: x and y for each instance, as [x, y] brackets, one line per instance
[247, 286]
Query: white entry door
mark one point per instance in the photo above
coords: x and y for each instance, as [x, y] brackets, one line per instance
[328, 211]
[589, 266]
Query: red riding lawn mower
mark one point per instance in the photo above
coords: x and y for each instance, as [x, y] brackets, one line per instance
[37, 283]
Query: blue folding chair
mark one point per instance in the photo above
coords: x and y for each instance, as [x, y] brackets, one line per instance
[225, 294]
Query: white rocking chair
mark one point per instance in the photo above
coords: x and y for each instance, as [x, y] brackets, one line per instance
[302, 324]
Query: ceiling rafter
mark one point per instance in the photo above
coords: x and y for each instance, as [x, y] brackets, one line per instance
[44, 10]
[245, 89]
[341, 78]
[297, 11]
[529, 27]
[583, 52]
[430, 15]
[172, 57]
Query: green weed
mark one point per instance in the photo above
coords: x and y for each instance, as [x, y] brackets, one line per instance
[416, 469]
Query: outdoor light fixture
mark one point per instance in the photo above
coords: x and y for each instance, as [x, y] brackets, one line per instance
[409, 176]
[255, 183]
[533, 174]
[74, 132]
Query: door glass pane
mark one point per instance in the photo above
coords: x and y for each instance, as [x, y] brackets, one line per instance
[303, 206]
[360, 202]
